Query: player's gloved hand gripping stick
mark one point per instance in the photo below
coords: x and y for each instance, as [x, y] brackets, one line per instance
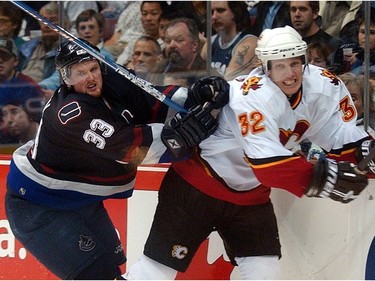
[213, 89]
[185, 131]
[145, 85]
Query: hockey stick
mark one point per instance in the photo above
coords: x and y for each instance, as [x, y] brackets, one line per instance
[143, 84]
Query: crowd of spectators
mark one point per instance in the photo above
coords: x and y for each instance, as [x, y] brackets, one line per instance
[166, 41]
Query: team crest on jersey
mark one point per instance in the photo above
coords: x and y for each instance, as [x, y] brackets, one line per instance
[334, 79]
[251, 83]
[295, 135]
[69, 111]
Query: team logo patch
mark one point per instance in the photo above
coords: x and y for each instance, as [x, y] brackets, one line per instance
[334, 79]
[69, 111]
[179, 251]
[86, 243]
[173, 143]
[22, 191]
[252, 83]
[119, 249]
[295, 135]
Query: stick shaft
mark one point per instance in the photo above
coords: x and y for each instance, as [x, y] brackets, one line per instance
[363, 164]
[143, 84]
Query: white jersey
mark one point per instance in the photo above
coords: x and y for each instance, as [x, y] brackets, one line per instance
[262, 124]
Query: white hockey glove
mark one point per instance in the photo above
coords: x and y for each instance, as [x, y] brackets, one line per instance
[363, 151]
[186, 131]
[340, 181]
[212, 89]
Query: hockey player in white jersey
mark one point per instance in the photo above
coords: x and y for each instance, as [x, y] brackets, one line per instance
[226, 187]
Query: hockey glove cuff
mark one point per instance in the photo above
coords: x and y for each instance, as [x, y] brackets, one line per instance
[186, 131]
[363, 151]
[340, 181]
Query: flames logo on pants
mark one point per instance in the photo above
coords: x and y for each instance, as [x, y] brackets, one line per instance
[179, 251]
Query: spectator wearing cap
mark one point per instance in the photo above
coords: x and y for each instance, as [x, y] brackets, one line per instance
[15, 88]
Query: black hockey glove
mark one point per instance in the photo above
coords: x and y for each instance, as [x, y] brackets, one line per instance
[212, 89]
[363, 151]
[340, 181]
[186, 131]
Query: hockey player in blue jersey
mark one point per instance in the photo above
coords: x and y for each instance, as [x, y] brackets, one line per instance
[87, 149]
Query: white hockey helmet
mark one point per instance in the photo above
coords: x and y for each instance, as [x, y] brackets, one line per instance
[279, 43]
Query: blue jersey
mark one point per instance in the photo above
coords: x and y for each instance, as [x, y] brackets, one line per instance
[85, 151]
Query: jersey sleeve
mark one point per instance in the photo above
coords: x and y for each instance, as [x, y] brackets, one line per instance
[337, 131]
[122, 94]
[86, 130]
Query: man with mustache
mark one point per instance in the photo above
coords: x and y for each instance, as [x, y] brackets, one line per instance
[233, 45]
[183, 64]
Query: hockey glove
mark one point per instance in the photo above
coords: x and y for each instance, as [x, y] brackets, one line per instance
[363, 151]
[340, 181]
[186, 131]
[212, 89]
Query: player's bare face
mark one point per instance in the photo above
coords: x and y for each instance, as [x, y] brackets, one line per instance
[86, 78]
[287, 74]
